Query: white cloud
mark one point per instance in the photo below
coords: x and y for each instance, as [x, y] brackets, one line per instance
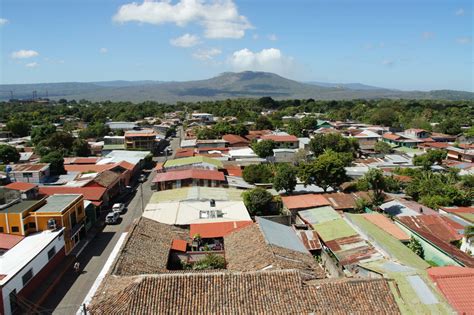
[3, 21]
[427, 35]
[271, 60]
[187, 40]
[206, 54]
[255, 36]
[32, 65]
[219, 18]
[272, 37]
[23, 54]
[388, 62]
[464, 40]
[103, 50]
[460, 12]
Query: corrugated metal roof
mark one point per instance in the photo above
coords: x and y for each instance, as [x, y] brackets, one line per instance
[318, 215]
[280, 235]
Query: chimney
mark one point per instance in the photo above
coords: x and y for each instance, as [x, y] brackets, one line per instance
[212, 203]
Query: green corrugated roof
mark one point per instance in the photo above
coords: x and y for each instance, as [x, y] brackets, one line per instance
[113, 147]
[394, 247]
[332, 230]
[193, 160]
[404, 293]
[467, 216]
[21, 206]
[319, 215]
[197, 193]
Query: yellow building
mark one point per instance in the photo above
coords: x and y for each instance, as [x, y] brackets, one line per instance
[29, 216]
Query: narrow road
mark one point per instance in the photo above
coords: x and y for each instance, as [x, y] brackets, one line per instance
[68, 295]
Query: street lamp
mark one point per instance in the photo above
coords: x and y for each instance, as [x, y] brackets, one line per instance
[142, 180]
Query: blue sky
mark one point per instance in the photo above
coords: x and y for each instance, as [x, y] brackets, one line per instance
[403, 44]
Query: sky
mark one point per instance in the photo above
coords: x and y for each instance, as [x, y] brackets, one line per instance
[400, 44]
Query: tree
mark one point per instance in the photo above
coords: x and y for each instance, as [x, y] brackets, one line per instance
[361, 204]
[263, 123]
[258, 201]
[295, 128]
[56, 161]
[60, 140]
[19, 127]
[206, 133]
[430, 158]
[376, 182]
[95, 130]
[326, 171]
[42, 132]
[416, 247]
[285, 178]
[382, 147]
[80, 147]
[257, 173]
[334, 142]
[264, 148]
[8, 154]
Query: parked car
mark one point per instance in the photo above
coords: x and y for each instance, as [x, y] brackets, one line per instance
[112, 217]
[118, 207]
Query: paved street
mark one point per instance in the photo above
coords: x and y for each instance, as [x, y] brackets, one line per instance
[68, 295]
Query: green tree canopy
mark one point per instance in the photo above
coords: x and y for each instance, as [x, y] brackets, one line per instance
[264, 148]
[263, 123]
[42, 132]
[56, 161]
[257, 173]
[382, 147]
[326, 171]
[430, 158]
[285, 178]
[19, 127]
[258, 201]
[8, 154]
[334, 142]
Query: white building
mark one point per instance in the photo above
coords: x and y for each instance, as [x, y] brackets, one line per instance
[25, 262]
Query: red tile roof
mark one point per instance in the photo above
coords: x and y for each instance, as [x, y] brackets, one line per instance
[81, 160]
[180, 153]
[233, 139]
[127, 165]
[218, 229]
[8, 241]
[280, 138]
[387, 225]
[457, 285]
[436, 225]
[437, 145]
[179, 245]
[304, 201]
[21, 186]
[190, 173]
[233, 170]
[89, 193]
[458, 209]
[391, 136]
[85, 168]
[434, 236]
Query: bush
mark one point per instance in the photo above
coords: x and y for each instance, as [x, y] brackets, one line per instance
[211, 261]
[257, 173]
[258, 201]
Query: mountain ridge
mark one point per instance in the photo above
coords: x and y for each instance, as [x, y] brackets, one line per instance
[247, 84]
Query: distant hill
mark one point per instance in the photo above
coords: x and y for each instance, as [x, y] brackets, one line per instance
[349, 86]
[246, 84]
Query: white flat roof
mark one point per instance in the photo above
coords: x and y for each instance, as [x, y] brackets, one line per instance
[191, 212]
[25, 251]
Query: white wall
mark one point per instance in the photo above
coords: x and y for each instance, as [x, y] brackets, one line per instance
[37, 264]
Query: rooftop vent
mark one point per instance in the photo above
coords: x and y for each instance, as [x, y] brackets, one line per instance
[213, 203]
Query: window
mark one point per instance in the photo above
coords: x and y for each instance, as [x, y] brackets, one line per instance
[79, 210]
[15, 229]
[27, 276]
[25, 227]
[32, 225]
[27, 175]
[1, 229]
[51, 253]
